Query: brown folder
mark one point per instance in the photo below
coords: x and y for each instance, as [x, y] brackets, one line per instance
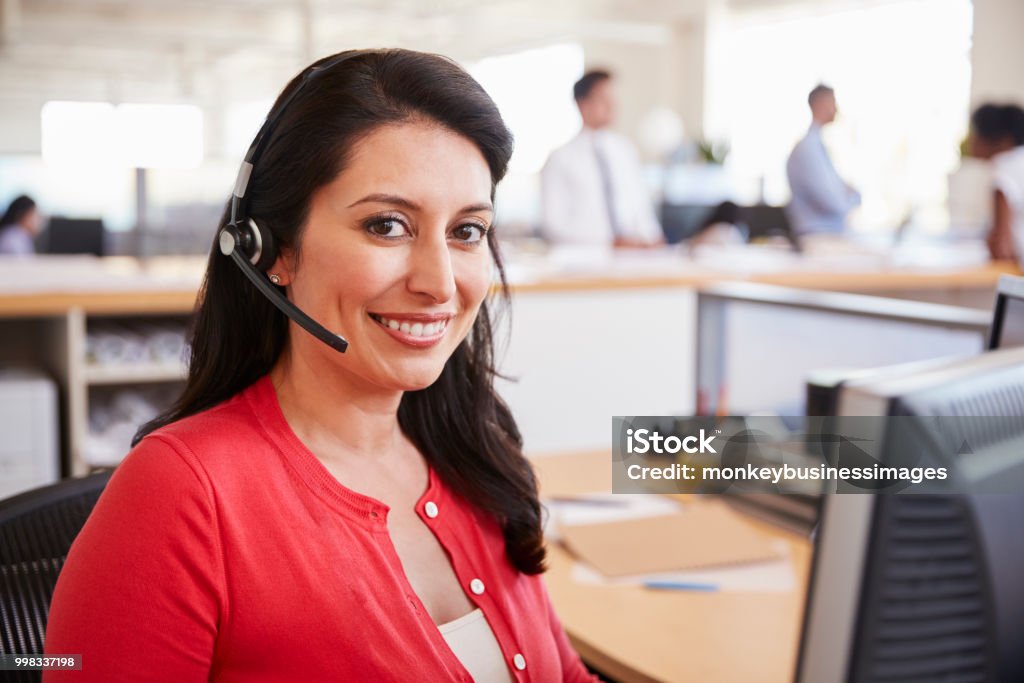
[704, 534]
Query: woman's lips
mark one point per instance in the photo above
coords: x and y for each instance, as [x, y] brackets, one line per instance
[419, 330]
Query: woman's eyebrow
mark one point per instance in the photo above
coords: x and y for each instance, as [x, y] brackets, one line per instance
[396, 200]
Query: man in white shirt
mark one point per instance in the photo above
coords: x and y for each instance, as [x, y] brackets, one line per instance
[821, 199]
[592, 188]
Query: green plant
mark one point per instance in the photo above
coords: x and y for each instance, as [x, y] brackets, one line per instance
[712, 152]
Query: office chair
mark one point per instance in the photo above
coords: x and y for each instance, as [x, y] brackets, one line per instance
[36, 531]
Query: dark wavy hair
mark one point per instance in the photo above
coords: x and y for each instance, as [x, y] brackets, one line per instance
[459, 423]
[17, 210]
[999, 122]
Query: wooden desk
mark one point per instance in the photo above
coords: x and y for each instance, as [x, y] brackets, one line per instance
[634, 634]
[47, 306]
[119, 285]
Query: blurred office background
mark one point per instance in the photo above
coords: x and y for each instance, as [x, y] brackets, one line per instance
[126, 120]
[138, 112]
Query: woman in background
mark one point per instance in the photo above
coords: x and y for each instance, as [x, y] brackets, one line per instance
[997, 134]
[19, 227]
[306, 515]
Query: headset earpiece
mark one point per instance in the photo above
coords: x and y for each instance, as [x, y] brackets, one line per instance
[254, 242]
[265, 253]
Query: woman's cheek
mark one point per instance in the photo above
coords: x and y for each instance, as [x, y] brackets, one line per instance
[478, 281]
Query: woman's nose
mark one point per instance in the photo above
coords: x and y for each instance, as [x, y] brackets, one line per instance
[430, 269]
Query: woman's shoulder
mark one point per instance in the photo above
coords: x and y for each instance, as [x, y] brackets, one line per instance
[223, 431]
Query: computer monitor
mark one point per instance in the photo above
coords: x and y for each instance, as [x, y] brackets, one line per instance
[825, 386]
[763, 220]
[926, 587]
[73, 236]
[1008, 314]
[680, 222]
[1007, 329]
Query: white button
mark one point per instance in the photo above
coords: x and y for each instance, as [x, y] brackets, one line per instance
[431, 509]
[519, 661]
[477, 586]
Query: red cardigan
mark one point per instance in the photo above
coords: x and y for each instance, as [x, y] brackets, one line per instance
[223, 550]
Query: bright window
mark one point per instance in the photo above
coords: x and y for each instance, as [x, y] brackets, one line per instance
[901, 72]
[78, 133]
[160, 135]
[94, 134]
[242, 120]
[533, 91]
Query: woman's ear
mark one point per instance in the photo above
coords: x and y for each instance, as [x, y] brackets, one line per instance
[282, 271]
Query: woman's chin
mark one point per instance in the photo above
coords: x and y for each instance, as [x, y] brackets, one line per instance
[416, 379]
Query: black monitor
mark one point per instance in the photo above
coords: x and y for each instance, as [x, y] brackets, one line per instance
[73, 236]
[927, 587]
[680, 222]
[1008, 314]
[825, 386]
[763, 220]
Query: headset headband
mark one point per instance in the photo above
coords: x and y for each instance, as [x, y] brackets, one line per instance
[266, 132]
[252, 247]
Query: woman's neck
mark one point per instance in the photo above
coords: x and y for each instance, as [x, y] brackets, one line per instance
[334, 413]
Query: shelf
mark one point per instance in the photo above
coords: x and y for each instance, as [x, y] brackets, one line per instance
[136, 373]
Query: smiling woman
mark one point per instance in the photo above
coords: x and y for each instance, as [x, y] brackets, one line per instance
[305, 514]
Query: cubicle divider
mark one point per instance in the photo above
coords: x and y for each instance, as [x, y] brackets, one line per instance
[638, 337]
[757, 344]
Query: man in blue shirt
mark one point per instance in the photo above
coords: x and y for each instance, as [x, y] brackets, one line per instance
[821, 199]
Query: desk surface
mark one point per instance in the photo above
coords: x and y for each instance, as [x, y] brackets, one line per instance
[634, 634]
[120, 285]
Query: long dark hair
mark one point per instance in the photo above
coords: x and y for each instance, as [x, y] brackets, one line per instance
[17, 210]
[999, 122]
[459, 423]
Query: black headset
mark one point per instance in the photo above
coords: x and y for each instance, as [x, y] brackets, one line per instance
[252, 246]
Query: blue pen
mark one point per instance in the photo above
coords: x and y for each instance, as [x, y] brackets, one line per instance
[681, 586]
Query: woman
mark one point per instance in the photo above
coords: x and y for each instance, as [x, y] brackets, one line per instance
[19, 227]
[306, 515]
[997, 134]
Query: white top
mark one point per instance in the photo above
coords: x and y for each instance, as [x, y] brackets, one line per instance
[1008, 177]
[471, 639]
[14, 240]
[574, 209]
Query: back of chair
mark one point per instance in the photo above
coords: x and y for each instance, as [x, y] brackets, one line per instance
[36, 531]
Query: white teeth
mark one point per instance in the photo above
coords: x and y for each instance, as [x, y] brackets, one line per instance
[415, 329]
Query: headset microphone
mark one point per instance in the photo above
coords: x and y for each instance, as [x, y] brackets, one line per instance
[251, 246]
[230, 246]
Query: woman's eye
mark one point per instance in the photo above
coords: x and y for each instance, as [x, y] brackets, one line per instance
[387, 227]
[469, 233]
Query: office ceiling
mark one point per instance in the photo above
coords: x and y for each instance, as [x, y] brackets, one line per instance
[218, 50]
[209, 49]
